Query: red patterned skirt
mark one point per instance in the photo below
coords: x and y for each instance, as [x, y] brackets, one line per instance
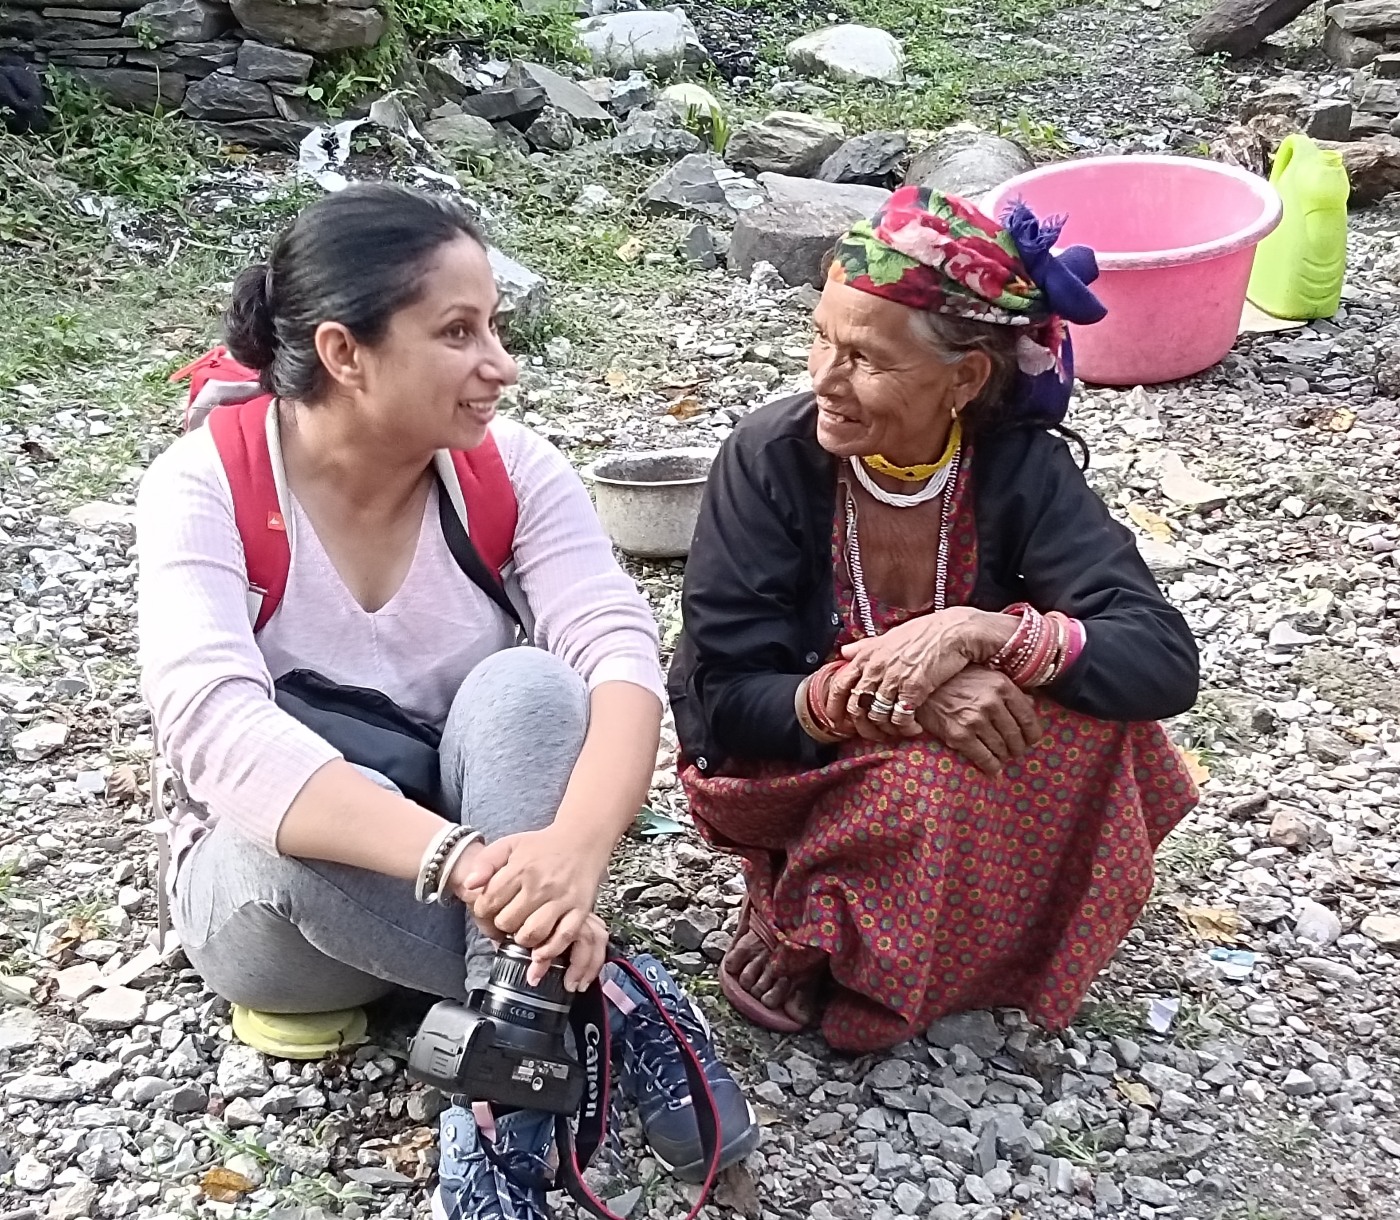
[931, 888]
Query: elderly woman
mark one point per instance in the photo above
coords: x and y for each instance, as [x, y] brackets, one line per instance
[921, 665]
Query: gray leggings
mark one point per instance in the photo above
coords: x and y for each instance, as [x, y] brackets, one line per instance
[287, 935]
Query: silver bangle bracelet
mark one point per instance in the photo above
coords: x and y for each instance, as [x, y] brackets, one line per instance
[456, 852]
[433, 856]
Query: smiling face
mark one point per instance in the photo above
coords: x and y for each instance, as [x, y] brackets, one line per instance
[433, 379]
[879, 388]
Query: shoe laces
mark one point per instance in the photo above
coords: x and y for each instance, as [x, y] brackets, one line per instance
[480, 1188]
[522, 1146]
[651, 1045]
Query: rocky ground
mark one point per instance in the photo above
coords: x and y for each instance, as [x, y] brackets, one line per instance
[1236, 1059]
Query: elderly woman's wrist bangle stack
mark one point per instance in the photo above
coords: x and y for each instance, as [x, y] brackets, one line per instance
[1039, 650]
[811, 705]
[440, 857]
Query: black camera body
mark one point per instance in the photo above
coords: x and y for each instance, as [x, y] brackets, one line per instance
[506, 1044]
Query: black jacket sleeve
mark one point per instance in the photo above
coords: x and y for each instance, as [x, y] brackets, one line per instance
[746, 582]
[1140, 660]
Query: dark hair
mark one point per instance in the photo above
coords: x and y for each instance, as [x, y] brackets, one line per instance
[355, 257]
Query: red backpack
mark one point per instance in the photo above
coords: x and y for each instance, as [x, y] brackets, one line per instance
[479, 514]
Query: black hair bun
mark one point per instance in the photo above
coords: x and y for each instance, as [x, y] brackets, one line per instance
[248, 330]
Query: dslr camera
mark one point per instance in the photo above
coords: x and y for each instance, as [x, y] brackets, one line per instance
[506, 1043]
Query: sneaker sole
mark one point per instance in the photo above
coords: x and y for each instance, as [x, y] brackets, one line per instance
[436, 1206]
[736, 1150]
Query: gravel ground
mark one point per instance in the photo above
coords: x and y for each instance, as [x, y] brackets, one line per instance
[1236, 1059]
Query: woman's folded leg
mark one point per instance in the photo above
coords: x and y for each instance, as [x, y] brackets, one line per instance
[285, 935]
[930, 888]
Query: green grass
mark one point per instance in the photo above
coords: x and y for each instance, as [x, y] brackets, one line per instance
[956, 70]
[1079, 1148]
[94, 337]
[1186, 855]
[1110, 1019]
[229, 1146]
[135, 155]
[500, 28]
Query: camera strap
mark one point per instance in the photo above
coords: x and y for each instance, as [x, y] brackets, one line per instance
[589, 1018]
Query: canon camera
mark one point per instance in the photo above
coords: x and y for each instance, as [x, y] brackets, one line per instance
[506, 1044]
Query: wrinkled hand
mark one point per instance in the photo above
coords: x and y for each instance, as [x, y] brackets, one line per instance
[984, 716]
[906, 664]
[539, 888]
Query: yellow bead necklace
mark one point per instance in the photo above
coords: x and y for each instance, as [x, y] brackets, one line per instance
[916, 474]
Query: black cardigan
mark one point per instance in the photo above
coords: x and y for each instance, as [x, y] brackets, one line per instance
[759, 604]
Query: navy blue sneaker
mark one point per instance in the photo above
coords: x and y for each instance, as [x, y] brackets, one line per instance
[653, 1076]
[472, 1187]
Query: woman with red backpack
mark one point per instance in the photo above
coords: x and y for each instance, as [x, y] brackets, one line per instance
[375, 786]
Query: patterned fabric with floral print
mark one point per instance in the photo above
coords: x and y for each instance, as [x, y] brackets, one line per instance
[935, 252]
[930, 888]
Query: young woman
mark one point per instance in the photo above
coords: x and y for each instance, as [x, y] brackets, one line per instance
[299, 875]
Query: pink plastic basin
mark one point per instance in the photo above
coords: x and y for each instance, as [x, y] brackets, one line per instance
[1175, 240]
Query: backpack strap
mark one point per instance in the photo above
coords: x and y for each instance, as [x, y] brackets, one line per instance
[240, 435]
[482, 574]
[216, 378]
[478, 491]
[488, 502]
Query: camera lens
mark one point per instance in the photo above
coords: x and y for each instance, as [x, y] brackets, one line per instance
[510, 997]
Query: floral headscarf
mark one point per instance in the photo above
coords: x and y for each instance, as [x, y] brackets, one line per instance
[936, 252]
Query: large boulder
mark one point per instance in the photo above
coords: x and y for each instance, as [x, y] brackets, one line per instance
[1238, 27]
[794, 237]
[1350, 50]
[318, 28]
[660, 41]
[163, 21]
[653, 136]
[855, 53]
[520, 105]
[566, 96]
[259, 62]
[867, 200]
[524, 296]
[873, 159]
[187, 58]
[968, 162]
[222, 97]
[134, 89]
[1373, 95]
[269, 135]
[1329, 119]
[1375, 17]
[461, 136]
[702, 185]
[786, 142]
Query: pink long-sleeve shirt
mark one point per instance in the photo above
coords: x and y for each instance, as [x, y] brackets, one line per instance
[208, 680]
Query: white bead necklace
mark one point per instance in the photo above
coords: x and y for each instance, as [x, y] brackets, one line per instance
[929, 491]
[863, 609]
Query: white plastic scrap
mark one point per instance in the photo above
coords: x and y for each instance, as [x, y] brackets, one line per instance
[1161, 1014]
[322, 147]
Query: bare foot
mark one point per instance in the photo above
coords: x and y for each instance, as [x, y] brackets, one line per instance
[750, 963]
